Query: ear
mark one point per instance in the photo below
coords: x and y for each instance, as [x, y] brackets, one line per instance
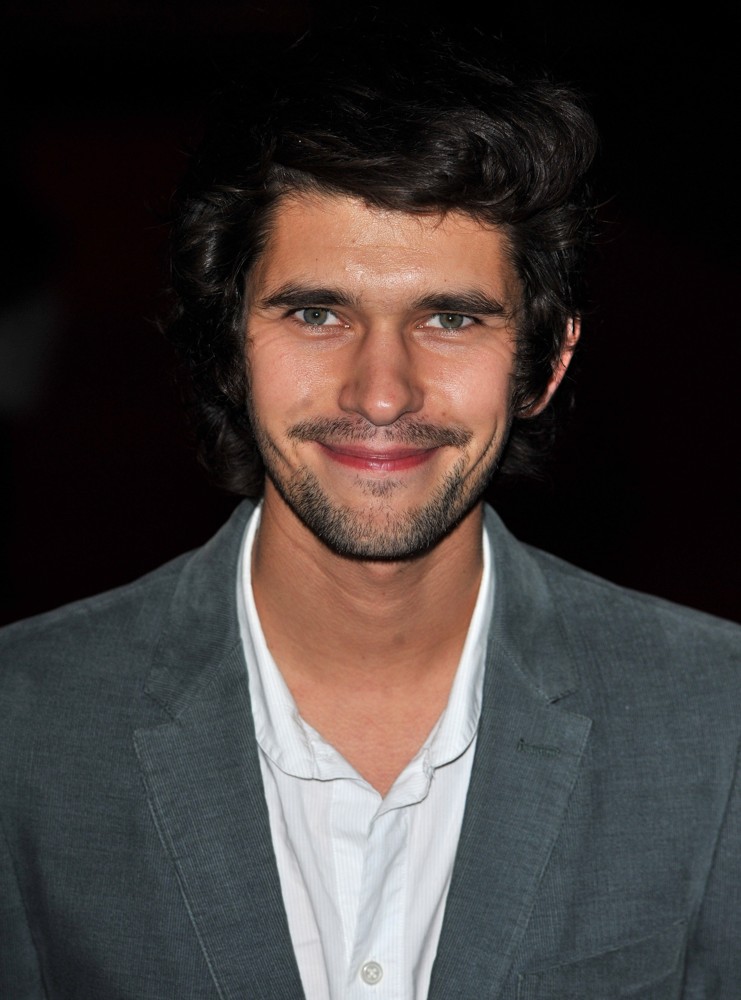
[573, 329]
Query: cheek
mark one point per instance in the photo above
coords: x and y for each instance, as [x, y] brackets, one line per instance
[286, 384]
[476, 394]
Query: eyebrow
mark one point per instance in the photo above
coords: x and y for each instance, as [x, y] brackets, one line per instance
[293, 296]
[461, 302]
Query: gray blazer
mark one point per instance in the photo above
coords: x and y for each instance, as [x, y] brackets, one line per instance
[599, 856]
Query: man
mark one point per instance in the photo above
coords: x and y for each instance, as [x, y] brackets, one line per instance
[364, 743]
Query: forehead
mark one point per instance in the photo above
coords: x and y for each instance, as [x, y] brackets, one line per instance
[321, 239]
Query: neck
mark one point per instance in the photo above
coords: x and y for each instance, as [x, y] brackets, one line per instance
[368, 649]
[352, 620]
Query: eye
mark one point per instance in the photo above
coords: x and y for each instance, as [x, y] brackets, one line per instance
[450, 321]
[314, 316]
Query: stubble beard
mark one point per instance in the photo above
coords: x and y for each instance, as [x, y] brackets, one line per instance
[379, 532]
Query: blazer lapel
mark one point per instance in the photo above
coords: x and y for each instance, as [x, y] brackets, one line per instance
[205, 789]
[528, 755]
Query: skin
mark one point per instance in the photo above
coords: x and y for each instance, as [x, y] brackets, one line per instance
[380, 347]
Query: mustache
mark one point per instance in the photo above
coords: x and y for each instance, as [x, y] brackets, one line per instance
[416, 433]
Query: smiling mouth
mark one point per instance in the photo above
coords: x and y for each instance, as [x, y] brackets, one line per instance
[356, 456]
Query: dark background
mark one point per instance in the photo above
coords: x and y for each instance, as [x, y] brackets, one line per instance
[101, 101]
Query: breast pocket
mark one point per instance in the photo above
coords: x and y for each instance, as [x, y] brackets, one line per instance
[649, 969]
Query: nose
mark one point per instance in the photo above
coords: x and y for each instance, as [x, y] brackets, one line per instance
[382, 382]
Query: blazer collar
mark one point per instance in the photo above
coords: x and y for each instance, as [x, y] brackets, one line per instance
[528, 625]
[201, 626]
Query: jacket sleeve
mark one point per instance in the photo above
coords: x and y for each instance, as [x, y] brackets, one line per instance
[713, 968]
[20, 976]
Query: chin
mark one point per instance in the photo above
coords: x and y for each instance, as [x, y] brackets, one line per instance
[379, 532]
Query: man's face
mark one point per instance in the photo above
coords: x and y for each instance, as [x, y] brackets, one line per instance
[380, 351]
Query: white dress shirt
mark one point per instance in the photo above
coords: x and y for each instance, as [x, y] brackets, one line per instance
[364, 879]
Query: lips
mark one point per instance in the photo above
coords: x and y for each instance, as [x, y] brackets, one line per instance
[356, 456]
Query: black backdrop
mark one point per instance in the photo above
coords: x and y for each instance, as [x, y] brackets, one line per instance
[99, 483]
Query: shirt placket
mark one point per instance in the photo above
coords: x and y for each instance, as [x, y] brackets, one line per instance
[377, 968]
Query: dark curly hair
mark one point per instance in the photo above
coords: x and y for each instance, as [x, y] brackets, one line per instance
[417, 126]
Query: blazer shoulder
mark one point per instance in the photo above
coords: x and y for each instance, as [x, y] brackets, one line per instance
[576, 585]
[688, 648]
[101, 652]
[127, 617]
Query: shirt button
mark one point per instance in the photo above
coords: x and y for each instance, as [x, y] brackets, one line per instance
[371, 973]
